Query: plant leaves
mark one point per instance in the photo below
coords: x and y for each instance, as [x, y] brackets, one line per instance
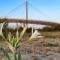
[5, 53]
[17, 56]
[10, 47]
[1, 27]
[21, 36]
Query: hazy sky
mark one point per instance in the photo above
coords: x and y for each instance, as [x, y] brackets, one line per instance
[48, 10]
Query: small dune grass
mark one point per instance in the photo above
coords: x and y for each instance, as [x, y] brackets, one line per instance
[13, 42]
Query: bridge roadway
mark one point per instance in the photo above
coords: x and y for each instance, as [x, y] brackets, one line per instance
[29, 21]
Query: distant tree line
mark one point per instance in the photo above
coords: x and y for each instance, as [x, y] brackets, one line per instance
[52, 28]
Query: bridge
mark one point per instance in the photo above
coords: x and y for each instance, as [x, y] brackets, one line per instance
[27, 20]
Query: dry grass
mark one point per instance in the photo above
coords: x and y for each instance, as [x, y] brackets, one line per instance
[52, 34]
[40, 45]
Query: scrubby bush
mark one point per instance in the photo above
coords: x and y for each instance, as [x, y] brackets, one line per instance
[13, 42]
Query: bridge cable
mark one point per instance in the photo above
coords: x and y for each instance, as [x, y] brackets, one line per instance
[15, 9]
[38, 10]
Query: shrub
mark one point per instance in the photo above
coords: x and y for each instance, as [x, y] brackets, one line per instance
[13, 42]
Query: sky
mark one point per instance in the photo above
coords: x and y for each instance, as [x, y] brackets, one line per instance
[46, 10]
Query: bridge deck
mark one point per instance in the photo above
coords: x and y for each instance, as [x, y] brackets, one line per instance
[30, 21]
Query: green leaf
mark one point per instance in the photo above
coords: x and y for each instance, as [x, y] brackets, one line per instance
[5, 53]
[1, 27]
[9, 37]
[17, 56]
[21, 35]
[10, 47]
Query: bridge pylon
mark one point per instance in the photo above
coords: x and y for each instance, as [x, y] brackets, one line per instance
[26, 24]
